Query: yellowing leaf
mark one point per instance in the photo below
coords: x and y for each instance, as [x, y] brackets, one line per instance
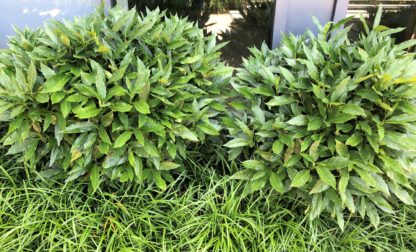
[65, 108]
[65, 40]
[411, 80]
[385, 106]
[187, 134]
[341, 149]
[103, 49]
[75, 155]
[361, 79]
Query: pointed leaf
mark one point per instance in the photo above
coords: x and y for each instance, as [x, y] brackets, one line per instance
[276, 182]
[301, 178]
[142, 107]
[326, 176]
[95, 178]
[122, 139]
[56, 83]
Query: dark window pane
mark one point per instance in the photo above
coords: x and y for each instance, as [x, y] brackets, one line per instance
[244, 23]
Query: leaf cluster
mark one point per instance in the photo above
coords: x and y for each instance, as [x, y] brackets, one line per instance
[330, 120]
[118, 95]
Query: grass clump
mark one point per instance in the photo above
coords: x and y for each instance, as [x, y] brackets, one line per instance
[205, 215]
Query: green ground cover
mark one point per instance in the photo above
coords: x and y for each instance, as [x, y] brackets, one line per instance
[309, 148]
[205, 215]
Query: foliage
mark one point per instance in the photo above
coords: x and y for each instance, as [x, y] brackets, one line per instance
[196, 10]
[221, 6]
[208, 216]
[246, 7]
[329, 120]
[162, 4]
[394, 18]
[258, 13]
[120, 95]
[184, 7]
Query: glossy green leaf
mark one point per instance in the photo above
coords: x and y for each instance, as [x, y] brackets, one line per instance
[167, 165]
[253, 164]
[122, 139]
[104, 135]
[353, 109]
[160, 182]
[287, 75]
[121, 107]
[99, 80]
[314, 123]
[301, 178]
[298, 120]
[354, 140]
[79, 127]
[87, 112]
[238, 142]
[326, 176]
[277, 147]
[56, 83]
[276, 182]
[189, 135]
[279, 101]
[208, 129]
[95, 178]
[142, 107]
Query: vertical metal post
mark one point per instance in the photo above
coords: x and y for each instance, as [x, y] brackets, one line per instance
[340, 10]
[279, 21]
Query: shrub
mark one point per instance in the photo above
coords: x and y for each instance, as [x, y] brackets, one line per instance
[120, 95]
[195, 10]
[330, 120]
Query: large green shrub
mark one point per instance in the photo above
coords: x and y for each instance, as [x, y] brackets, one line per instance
[120, 95]
[329, 120]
